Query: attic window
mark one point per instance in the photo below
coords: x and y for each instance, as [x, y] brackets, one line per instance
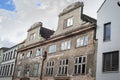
[68, 22]
[32, 36]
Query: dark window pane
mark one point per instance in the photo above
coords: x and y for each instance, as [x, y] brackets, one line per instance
[75, 70]
[79, 59]
[67, 61]
[59, 70]
[79, 69]
[107, 31]
[83, 69]
[84, 59]
[111, 61]
[115, 61]
[65, 69]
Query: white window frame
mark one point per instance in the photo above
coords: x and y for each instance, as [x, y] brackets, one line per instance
[39, 52]
[35, 69]
[50, 68]
[82, 41]
[63, 64]
[65, 45]
[80, 64]
[52, 48]
[69, 22]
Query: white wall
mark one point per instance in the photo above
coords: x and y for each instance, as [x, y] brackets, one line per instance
[110, 12]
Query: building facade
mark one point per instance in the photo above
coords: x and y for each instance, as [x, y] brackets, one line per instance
[108, 55]
[69, 53]
[2, 50]
[8, 63]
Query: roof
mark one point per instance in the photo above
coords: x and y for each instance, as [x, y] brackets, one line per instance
[4, 49]
[46, 33]
[101, 6]
[87, 18]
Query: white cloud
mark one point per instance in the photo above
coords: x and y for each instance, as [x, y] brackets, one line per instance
[14, 25]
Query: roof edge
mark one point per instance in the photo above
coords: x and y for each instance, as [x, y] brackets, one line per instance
[101, 6]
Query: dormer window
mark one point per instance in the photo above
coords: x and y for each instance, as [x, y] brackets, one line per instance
[68, 22]
[32, 36]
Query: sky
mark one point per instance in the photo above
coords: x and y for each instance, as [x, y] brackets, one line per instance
[17, 16]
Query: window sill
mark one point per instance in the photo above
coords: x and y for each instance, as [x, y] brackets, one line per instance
[81, 46]
[64, 50]
[48, 75]
[78, 74]
[67, 27]
[107, 72]
[106, 40]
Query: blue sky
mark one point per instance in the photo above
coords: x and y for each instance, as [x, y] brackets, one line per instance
[7, 4]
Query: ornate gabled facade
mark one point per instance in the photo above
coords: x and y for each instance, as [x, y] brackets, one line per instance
[69, 53]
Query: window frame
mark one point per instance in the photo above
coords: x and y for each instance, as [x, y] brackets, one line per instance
[63, 67]
[103, 62]
[49, 68]
[38, 52]
[104, 32]
[84, 43]
[52, 46]
[65, 23]
[66, 45]
[36, 69]
[81, 64]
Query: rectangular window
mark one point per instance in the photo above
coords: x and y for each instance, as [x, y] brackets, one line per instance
[19, 69]
[29, 54]
[32, 36]
[111, 61]
[63, 67]
[35, 69]
[26, 70]
[52, 49]
[68, 22]
[49, 68]
[82, 41]
[21, 56]
[107, 31]
[65, 45]
[80, 64]
[39, 52]
[11, 69]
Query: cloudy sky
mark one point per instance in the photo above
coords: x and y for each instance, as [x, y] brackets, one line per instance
[16, 16]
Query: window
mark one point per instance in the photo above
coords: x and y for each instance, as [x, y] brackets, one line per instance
[49, 68]
[11, 54]
[29, 54]
[32, 36]
[107, 31]
[19, 69]
[21, 56]
[111, 61]
[14, 55]
[63, 67]
[38, 52]
[26, 70]
[8, 70]
[35, 69]
[65, 45]
[11, 70]
[82, 41]
[52, 49]
[68, 22]
[80, 64]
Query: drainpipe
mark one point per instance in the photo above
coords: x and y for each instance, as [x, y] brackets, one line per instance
[44, 56]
